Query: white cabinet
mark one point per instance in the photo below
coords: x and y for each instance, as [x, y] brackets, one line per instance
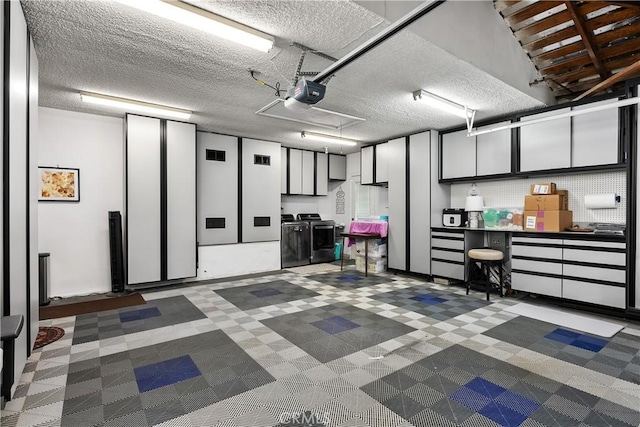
[307, 173]
[337, 167]
[295, 171]
[545, 145]
[448, 254]
[161, 199]
[374, 167]
[382, 163]
[458, 155]
[283, 170]
[321, 174]
[419, 203]
[494, 152]
[396, 154]
[594, 136]
[366, 165]
[260, 191]
[217, 189]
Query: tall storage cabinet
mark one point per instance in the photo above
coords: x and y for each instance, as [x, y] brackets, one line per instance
[161, 199]
[260, 191]
[396, 153]
[419, 193]
[217, 189]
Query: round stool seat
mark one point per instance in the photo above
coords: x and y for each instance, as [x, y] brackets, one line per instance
[486, 254]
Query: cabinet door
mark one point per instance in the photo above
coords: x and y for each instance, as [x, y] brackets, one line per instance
[260, 187]
[337, 167]
[308, 167]
[545, 145]
[181, 200]
[494, 152]
[322, 169]
[458, 155]
[295, 171]
[366, 165]
[395, 152]
[420, 206]
[217, 189]
[283, 170]
[382, 163]
[143, 199]
[595, 136]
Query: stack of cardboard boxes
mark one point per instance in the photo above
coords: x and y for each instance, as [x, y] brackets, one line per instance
[377, 255]
[547, 209]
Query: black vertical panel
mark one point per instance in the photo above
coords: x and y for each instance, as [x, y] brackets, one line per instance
[407, 229]
[240, 190]
[315, 173]
[163, 200]
[288, 171]
[6, 306]
[630, 123]
[373, 174]
[126, 199]
[28, 195]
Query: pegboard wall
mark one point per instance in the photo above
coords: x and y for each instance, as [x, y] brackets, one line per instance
[510, 193]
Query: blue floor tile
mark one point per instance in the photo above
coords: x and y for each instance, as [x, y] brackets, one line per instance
[485, 388]
[266, 292]
[428, 299]
[165, 373]
[335, 325]
[145, 313]
[518, 403]
[591, 346]
[470, 398]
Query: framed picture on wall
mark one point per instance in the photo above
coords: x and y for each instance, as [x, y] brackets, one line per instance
[58, 184]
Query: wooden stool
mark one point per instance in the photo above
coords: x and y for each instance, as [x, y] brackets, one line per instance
[486, 258]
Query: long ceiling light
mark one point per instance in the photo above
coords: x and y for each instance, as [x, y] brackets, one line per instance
[135, 106]
[443, 104]
[204, 20]
[328, 138]
[617, 104]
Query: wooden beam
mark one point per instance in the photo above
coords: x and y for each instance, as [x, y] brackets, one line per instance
[587, 39]
[622, 75]
[630, 4]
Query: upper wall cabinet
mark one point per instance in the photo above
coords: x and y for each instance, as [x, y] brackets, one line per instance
[337, 167]
[458, 155]
[374, 168]
[303, 172]
[545, 145]
[594, 136]
[494, 152]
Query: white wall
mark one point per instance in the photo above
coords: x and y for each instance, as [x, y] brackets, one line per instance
[77, 234]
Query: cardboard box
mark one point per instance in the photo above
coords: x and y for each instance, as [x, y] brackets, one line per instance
[547, 220]
[551, 202]
[544, 188]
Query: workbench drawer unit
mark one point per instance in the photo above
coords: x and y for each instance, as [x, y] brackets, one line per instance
[447, 254]
[595, 272]
[536, 265]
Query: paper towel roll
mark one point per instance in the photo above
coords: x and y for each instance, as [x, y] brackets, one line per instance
[600, 201]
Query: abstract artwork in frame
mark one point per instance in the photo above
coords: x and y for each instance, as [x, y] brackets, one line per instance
[58, 184]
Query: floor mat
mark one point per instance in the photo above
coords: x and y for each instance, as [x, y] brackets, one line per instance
[74, 309]
[569, 320]
[47, 335]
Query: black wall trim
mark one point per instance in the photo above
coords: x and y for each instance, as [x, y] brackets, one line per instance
[596, 281]
[163, 200]
[632, 193]
[240, 189]
[595, 248]
[538, 245]
[407, 177]
[448, 261]
[457, 239]
[288, 171]
[6, 229]
[537, 273]
[315, 173]
[373, 174]
[28, 195]
[126, 201]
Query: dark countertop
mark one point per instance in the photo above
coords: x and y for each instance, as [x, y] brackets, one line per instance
[575, 235]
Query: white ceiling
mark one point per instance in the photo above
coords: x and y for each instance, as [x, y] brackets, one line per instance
[113, 49]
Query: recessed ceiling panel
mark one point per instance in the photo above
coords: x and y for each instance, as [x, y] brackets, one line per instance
[314, 116]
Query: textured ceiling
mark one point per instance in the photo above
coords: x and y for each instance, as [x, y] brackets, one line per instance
[109, 48]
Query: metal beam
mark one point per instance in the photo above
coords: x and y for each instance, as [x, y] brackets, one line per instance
[385, 34]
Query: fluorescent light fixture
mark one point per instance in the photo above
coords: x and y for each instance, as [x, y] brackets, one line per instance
[204, 20]
[135, 106]
[329, 139]
[443, 104]
[618, 104]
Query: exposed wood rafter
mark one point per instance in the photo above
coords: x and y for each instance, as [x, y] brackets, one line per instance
[628, 72]
[587, 39]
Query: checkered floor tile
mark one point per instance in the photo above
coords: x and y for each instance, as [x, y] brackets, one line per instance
[331, 349]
